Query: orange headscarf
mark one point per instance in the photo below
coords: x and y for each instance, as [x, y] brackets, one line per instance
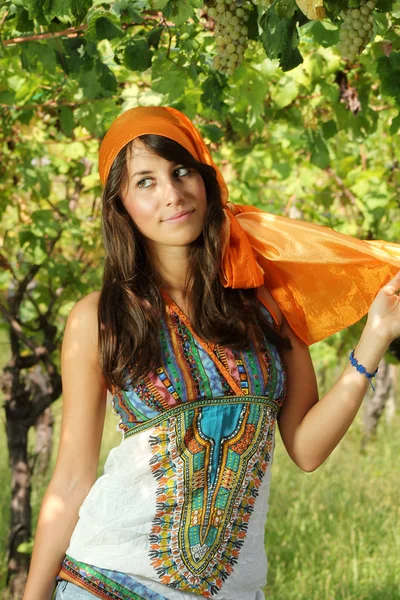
[323, 281]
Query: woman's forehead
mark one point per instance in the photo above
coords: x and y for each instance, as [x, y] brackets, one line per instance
[139, 153]
[138, 148]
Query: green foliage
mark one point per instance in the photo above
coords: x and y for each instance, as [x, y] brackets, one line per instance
[103, 26]
[388, 69]
[212, 88]
[179, 12]
[285, 9]
[280, 37]
[79, 8]
[137, 55]
[385, 5]
[329, 539]
[323, 33]
[26, 547]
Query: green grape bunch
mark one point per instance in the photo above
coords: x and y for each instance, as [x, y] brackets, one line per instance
[356, 30]
[231, 32]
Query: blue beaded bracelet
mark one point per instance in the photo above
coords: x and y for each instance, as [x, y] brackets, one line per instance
[362, 369]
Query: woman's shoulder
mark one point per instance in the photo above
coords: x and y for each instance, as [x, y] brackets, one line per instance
[269, 302]
[84, 313]
[88, 303]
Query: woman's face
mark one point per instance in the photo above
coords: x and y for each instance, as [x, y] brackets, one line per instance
[158, 192]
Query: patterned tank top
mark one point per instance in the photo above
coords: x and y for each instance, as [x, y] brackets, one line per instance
[180, 510]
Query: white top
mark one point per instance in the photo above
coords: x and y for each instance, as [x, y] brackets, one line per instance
[181, 507]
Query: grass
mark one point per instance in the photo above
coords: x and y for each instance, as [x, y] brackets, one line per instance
[334, 534]
[331, 535]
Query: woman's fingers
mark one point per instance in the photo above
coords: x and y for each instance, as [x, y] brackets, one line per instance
[393, 285]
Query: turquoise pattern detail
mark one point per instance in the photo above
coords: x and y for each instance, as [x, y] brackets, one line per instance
[188, 373]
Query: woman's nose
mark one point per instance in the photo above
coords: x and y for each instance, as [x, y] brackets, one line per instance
[173, 193]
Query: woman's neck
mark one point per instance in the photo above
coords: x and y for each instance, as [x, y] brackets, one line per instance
[172, 264]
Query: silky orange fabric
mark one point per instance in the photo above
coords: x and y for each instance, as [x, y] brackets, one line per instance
[323, 281]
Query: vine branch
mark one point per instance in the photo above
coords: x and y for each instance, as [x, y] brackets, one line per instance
[72, 32]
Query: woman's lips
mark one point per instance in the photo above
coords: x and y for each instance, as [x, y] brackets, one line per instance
[179, 218]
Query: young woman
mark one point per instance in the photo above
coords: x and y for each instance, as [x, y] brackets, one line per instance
[202, 358]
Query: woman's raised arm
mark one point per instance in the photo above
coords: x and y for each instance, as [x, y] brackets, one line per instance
[310, 429]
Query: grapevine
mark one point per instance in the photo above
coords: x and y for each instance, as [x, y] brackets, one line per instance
[356, 30]
[231, 32]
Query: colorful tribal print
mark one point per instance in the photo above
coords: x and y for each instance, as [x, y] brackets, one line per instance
[106, 584]
[191, 370]
[208, 459]
[210, 415]
[209, 463]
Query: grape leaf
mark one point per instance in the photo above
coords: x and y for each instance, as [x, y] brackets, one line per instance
[212, 91]
[285, 93]
[395, 125]
[153, 37]
[285, 9]
[321, 34]
[107, 78]
[67, 120]
[76, 57]
[55, 8]
[168, 78]
[79, 9]
[319, 150]
[329, 129]
[333, 7]
[133, 15]
[158, 4]
[179, 12]
[212, 132]
[388, 68]
[252, 23]
[280, 38]
[137, 55]
[24, 23]
[7, 97]
[103, 26]
[385, 5]
[89, 82]
[25, 116]
[87, 116]
[35, 10]
[33, 53]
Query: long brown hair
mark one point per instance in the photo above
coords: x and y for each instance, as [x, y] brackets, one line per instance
[130, 303]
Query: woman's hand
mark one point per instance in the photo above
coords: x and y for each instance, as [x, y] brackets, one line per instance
[384, 313]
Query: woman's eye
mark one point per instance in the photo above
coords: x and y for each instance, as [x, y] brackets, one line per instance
[178, 170]
[182, 169]
[142, 181]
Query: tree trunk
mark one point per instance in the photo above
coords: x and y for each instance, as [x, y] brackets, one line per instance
[375, 403]
[17, 408]
[44, 441]
[39, 385]
[20, 514]
[26, 397]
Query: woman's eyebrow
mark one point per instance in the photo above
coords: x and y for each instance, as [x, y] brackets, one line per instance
[149, 172]
[142, 173]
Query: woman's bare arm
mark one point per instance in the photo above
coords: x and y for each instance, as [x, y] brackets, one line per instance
[311, 429]
[84, 403]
